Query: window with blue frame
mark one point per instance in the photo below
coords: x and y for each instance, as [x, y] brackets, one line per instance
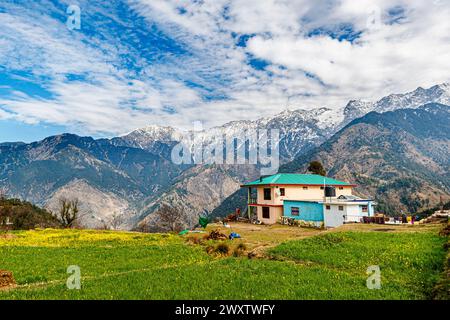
[295, 211]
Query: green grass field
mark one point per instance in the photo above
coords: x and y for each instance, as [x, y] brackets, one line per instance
[125, 265]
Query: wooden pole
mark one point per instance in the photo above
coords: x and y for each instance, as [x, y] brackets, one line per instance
[248, 203]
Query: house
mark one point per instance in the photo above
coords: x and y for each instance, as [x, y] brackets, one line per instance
[308, 197]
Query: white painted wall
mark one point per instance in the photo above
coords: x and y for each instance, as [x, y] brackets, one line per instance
[353, 214]
[333, 217]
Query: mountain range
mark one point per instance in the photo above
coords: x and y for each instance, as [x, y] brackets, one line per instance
[401, 157]
[385, 146]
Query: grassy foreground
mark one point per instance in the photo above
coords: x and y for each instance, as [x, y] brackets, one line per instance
[125, 265]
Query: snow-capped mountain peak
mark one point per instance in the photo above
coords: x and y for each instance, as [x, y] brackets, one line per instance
[414, 99]
[299, 128]
[439, 93]
[357, 108]
[157, 133]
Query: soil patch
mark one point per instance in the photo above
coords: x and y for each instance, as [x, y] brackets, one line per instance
[6, 280]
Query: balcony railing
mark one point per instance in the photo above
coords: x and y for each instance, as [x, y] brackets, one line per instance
[252, 201]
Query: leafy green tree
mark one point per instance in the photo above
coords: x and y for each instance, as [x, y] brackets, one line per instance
[23, 215]
[316, 167]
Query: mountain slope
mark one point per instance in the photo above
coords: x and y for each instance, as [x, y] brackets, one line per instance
[299, 130]
[201, 188]
[24, 215]
[197, 193]
[133, 174]
[402, 158]
[94, 171]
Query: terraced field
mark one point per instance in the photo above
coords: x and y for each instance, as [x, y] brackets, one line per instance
[297, 264]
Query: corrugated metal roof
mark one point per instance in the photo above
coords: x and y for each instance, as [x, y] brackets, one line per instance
[295, 178]
[349, 197]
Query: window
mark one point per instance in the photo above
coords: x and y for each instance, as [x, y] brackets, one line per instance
[295, 211]
[282, 192]
[341, 188]
[364, 208]
[341, 208]
[328, 207]
[266, 212]
[267, 195]
[305, 188]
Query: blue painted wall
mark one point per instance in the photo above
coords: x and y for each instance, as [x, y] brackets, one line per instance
[308, 211]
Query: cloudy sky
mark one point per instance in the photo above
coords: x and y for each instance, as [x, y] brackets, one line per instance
[172, 62]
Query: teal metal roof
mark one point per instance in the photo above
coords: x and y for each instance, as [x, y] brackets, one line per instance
[295, 178]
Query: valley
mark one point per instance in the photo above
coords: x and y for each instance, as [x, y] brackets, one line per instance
[402, 163]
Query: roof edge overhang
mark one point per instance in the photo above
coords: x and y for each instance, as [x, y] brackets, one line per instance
[356, 202]
[296, 184]
[265, 205]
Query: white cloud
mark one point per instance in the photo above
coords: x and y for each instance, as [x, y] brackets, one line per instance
[4, 115]
[387, 58]
[303, 71]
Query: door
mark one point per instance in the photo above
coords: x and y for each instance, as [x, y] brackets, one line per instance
[334, 217]
[266, 212]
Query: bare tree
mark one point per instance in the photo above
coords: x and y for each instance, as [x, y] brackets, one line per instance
[169, 219]
[116, 221]
[68, 212]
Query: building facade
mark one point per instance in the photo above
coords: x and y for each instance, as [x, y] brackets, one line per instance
[307, 197]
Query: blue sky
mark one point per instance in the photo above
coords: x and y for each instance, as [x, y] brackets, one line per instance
[171, 62]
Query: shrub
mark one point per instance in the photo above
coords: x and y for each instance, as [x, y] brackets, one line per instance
[195, 240]
[25, 215]
[222, 249]
[239, 250]
[210, 249]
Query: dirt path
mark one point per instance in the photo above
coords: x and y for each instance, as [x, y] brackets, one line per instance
[260, 238]
[264, 235]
